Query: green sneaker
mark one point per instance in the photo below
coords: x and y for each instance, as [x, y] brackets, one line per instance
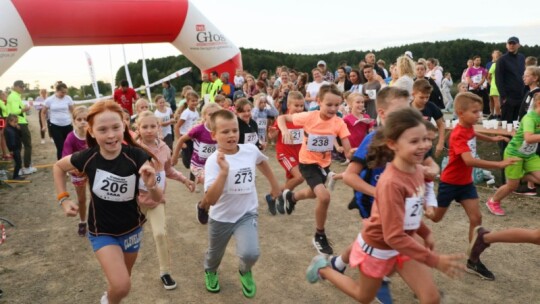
[212, 281]
[248, 284]
[312, 273]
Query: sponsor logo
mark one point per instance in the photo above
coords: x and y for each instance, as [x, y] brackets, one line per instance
[8, 44]
[208, 38]
[199, 27]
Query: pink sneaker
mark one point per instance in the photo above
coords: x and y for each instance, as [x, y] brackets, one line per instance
[495, 207]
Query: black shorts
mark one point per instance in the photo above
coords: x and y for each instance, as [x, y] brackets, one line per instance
[459, 193]
[314, 174]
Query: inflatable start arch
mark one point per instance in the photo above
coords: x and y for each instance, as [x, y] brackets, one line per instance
[26, 24]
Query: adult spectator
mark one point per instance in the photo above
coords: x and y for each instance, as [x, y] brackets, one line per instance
[16, 106]
[227, 87]
[301, 84]
[38, 105]
[206, 87]
[434, 71]
[216, 85]
[6, 155]
[125, 96]
[251, 88]
[477, 81]
[436, 95]
[327, 75]
[381, 64]
[293, 76]
[263, 76]
[370, 89]
[169, 93]
[370, 59]
[281, 93]
[405, 73]
[60, 106]
[343, 64]
[509, 79]
[494, 103]
[342, 80]
[313, 88]
[357, 80]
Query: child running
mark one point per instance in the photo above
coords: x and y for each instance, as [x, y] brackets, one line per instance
[261, 114]
[75, 142]
[321, 128]
[187, 119]
[247, 126]
[288, 154]
[456, 179]
[231, 195]
[387, 241]
[165, 115]
[523, 146]
[114, 171]
[148, 128]
[203, 145]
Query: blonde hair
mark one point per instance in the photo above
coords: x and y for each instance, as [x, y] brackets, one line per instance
[208, 106]
[535, 72]
[293, 96]
[406, 66]
[78, 110]
[145, 114]
[465, 100]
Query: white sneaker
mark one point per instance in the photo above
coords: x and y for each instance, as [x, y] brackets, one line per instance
[431, 199]
[31, 169]
[24, 171]
[331, 181]
[43, 141]
[104, 298]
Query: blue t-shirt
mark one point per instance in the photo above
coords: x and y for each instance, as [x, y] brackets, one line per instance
[370, 176]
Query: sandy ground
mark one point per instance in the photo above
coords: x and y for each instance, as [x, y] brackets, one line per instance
[44, 261]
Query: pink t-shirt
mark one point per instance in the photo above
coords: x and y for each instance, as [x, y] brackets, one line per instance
[358, 128]
[73, 144]
[203, 145]
[476, 74]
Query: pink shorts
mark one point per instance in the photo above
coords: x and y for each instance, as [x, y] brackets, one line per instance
[197, 171]
[371, 266]
[287, 162]
[78, 180]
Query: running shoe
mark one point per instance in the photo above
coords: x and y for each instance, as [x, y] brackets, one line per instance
[104, 299]
[271, 204]
[280, 206]
[331, 182]
[480, 270]
[249, 289]
[321, 244]
[211, 279]
[495, 207]
[289, 201]
[168, 282]
[383, 294]
[477, 244]
[202, 215]
[312, 273]
[525, 190]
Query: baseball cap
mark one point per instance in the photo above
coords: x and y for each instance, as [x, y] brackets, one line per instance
[321, 62]
[513, 39]
[409, 53]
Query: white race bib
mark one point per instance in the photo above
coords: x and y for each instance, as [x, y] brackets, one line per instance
[111, 187]
[251, 138]
[160, 181]
[241, 181]
[413, 213]
[528, 149]
[297, 136]
[320, 143]
[372, 94]
[262, 123]
[205, 150]
[476, 78]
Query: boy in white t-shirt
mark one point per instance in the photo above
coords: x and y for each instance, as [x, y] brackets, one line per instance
[231, 195]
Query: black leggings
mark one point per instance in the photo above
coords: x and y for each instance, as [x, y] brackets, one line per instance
[59, 135]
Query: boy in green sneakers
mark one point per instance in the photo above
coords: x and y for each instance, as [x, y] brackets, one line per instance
[231, 196]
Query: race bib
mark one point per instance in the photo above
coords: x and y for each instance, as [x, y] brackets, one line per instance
[297, 136]
[320, 143]
[372, 94]
[413, 213]
[160, 181]
[528, 149]
[262, 123]
[476, 78]
[251, 138]
[205, 150]
[241, 181]
[111, 187]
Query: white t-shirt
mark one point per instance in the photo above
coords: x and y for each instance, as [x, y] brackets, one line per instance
[239, 193]
[313, 88]
[165, 117]
[58, 110]
[190, 119]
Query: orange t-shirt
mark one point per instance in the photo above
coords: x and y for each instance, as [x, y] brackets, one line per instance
[319, 136]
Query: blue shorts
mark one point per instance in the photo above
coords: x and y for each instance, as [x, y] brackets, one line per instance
[448, 193]
[129, 242]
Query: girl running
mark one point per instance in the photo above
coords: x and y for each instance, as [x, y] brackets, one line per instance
[76, 141]
[165, 115]
[247, 126]
[148, 129]
[187, 119]
[387, 241]
[114, 172]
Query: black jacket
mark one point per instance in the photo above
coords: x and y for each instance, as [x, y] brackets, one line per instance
[13, 138]
[509, 77]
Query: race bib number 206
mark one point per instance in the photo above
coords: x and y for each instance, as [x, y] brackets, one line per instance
[111, 187]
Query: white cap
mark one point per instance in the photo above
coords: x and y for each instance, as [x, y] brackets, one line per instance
[409, 53]
[321, 62]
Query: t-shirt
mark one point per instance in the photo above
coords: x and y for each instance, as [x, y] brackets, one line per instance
[15, 106]
[517, 146]
[493, 91]
[39, 103]
[319, 137]
[113, 184]
[430, 111]
[190, 119]
[461, 140]
[59, 113]
[203, 145]
[397, 215]
[248, 132]
[370, 176]
[239, 194]
[476, 74]
[165, 117]
[73, 144]
[358, 128]
[125, 99]
[314, 87]
[238, 81]
[294, 148]
[370, 90]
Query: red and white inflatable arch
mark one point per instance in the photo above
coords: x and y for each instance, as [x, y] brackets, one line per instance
[26, 24]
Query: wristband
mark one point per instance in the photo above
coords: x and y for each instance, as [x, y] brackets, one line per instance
[65, 198]
[62, 195]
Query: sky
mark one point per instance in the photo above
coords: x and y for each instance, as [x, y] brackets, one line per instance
[306, 27]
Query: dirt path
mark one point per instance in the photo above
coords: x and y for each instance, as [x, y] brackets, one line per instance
[44, 261]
